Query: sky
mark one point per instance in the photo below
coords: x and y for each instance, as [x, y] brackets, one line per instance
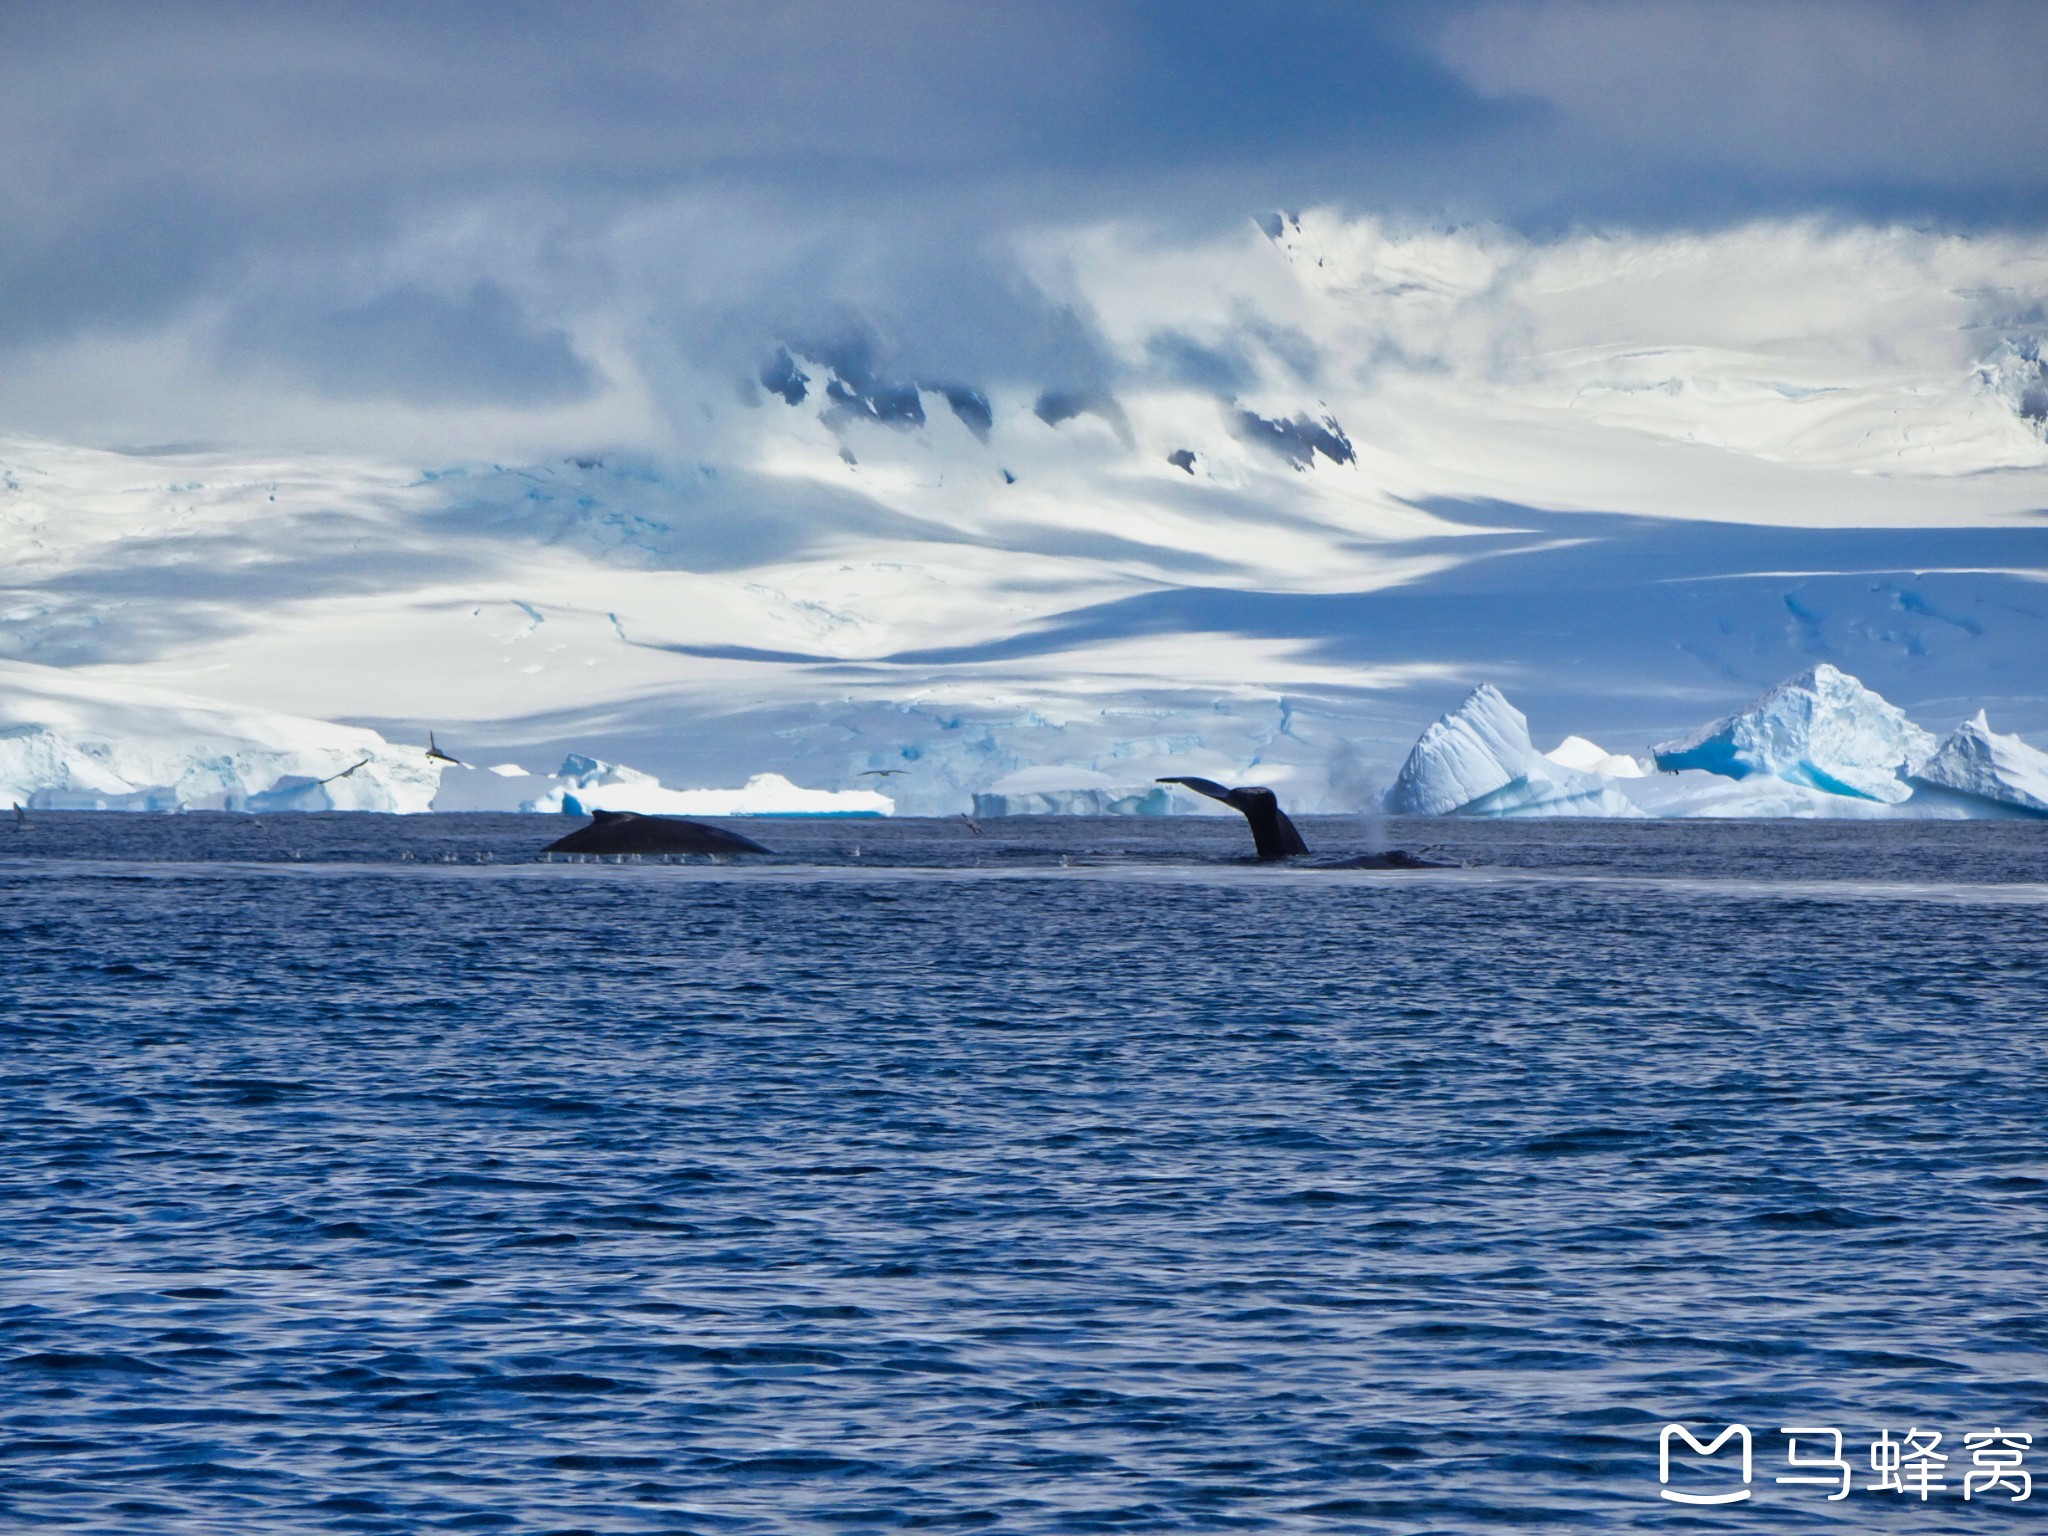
[325, 226]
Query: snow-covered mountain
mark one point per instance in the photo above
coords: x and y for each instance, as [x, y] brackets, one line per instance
[1309, 483]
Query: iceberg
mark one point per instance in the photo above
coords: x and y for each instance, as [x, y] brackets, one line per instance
[1978, 762]
[500, 787]
[1822, 729]
[1697, 793]
[1056, 790]
[1478, 760]
[1582, 756]
[71, 740]
[587, 784]
[1478, 748]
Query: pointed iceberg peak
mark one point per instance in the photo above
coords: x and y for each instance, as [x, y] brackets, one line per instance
[1478, 760]
[1822, 729]
[1977, 761]
[1479, 747]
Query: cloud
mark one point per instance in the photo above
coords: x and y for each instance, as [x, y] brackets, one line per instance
[1762, 105]
[518, 208]
[427, 348]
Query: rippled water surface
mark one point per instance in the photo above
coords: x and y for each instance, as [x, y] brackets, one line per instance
[365, 1175]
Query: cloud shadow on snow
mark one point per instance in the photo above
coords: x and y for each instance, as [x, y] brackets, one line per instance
[1632, 608]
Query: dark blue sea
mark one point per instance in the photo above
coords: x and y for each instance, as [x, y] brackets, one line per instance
[362, 1174]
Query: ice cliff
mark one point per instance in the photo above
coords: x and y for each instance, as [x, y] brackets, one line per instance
[586, 784]
[1822, 729]
[1055, 790]
[69, 740]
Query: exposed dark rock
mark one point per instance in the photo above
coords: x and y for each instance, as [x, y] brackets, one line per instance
[1297, 439]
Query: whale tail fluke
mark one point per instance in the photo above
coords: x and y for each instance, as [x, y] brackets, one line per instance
[1273, 835]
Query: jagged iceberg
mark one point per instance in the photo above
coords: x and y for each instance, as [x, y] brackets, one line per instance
[73, 741]
[499, 787]
[588, 784]
[1478, 760]
[1822, 729]
[1978, 762]
[1817, 745]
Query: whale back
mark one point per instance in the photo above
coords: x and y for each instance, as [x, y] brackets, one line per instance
[617, 832]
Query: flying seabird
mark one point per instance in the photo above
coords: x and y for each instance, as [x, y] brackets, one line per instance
[880, 773]
[436, 755]
[346, 771]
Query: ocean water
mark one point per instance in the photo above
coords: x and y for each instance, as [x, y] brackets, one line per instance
[366, 1175]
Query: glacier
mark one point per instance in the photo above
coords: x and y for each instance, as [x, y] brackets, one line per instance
[1636, 479]
[1055, 789]
[74, 742]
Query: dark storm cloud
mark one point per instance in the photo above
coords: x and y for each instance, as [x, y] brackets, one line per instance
[259, 161]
